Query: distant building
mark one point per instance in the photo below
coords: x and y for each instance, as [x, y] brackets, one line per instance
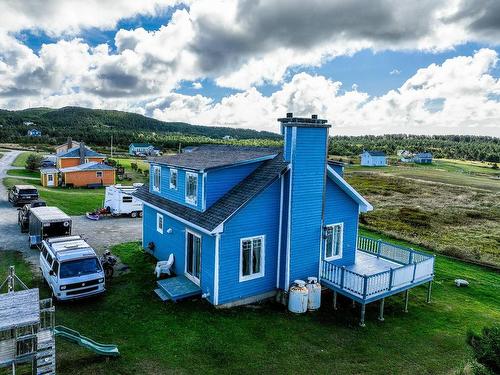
[423, 158]
[373, 159]
[79, 166]
[67, 146]
[28, 123]
[142, 148]
[227, 138]
[405, 156]
[34, 133]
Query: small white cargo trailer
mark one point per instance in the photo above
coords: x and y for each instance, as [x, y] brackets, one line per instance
[119, 201]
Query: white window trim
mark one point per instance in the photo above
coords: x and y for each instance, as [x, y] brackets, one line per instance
[158, 216]
[341, 251]
[97, 174]
[262, 259]
[173, 171]
[186, 273]
[193, 201]
[155, 168]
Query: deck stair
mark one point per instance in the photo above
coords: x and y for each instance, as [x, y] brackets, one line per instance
[176, 288]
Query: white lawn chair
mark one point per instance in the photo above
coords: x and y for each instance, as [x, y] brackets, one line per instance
[164, 266]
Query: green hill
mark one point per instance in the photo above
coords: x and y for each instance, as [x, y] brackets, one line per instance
[95, 126]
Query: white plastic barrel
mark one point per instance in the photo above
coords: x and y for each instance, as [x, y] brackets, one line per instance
[297, 297]
[314, 293]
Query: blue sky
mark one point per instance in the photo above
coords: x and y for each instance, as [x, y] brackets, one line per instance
[221, 62]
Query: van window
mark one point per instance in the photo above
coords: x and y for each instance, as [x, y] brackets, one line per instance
[79, 267]
[49, 259]
[126, 199]
[44, 252]
[55, 267]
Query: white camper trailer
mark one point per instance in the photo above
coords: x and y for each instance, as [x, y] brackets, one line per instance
[119, 201]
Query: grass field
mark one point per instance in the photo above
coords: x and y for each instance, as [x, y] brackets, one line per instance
[193, 337]
[134, 174]
[439, 206]
[72, 201]
[20, 160]
[23, 173]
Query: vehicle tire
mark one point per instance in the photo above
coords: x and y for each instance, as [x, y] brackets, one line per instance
[133, 214]
[140, 213]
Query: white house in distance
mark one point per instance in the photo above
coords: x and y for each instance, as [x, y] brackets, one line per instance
[373, 159]
[142, 148]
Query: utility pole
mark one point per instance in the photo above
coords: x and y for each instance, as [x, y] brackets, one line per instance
[111, 145]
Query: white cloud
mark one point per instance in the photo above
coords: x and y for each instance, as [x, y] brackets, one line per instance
[395, 72]
[197, 85]
[461, 85]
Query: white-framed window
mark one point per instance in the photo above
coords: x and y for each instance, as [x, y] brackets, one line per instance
[252, 255]
[156, 178]
[334, 236]
[159, 222]
[173, 178]
[191, 188]
[98, 174]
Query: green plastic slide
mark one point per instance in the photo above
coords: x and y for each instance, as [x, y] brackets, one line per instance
[75, 337]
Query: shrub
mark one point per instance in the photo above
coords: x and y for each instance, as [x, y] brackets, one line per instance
[133, 166]
[33, 162]
[486, 350]
[415, 217]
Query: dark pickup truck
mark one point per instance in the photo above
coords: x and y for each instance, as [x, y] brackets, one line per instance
[23, 216]
[22, 194]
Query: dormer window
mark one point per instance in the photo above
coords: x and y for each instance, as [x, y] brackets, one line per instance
[173, 178]
[191, 188]
[156, 178]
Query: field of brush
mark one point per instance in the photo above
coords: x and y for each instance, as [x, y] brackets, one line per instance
[450, 206]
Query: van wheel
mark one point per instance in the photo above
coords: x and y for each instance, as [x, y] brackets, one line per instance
[140, 214]
[133, 214]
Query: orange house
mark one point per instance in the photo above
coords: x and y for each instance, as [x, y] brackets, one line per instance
[79, 167]
[91, 173]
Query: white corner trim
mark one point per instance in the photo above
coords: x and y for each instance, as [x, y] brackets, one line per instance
[216, 269]
[280, 232]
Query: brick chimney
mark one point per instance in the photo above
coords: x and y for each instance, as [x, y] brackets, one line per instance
[82, 153]
[70, 143]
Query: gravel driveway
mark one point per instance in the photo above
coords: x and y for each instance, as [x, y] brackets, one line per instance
[99, 234]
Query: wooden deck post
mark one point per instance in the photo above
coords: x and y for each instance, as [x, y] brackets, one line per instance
[407, 293]
[379, 245]
[334, 300]
[390, 278]
[381, 311]
[429, 289]
[342, 273]
[362, 320]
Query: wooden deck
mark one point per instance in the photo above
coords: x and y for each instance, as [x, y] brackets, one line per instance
[380, 270]
[176, 288]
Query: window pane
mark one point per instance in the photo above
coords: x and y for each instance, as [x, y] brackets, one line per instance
[257, 249]
[246, 249]
[337, 239]
[328, 242]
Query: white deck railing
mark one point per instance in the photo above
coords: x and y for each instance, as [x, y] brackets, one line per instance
[414, 266]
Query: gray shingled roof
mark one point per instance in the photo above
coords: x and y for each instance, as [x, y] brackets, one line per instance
[75, 153]
[424, 155]
[90, 166]
[376, 153]
[226, 206]
[213, 156]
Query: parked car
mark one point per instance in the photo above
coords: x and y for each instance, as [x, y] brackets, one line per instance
[22, 194]
[71, 268]
[119, 201]
[23, 215]
[47, 222]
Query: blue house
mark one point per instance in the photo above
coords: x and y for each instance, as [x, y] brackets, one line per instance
[423, 158]
[142, 148]
[34, 133]
[244, 222]
[373, 159]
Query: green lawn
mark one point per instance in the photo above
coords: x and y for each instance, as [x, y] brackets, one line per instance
[193, 337]
[133, 174]
[20, 160]
[72, 201]
[23, 173]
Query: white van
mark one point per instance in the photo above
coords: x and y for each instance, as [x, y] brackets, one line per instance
[119, 201]
[71, 268]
